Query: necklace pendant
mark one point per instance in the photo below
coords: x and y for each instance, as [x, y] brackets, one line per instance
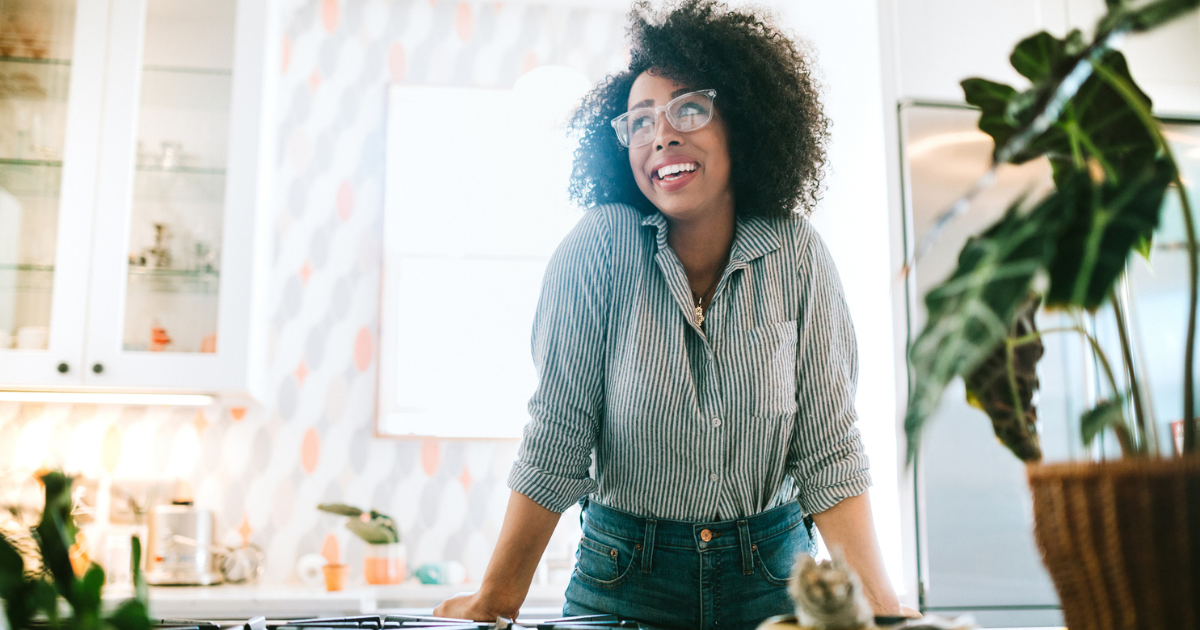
[699, 316]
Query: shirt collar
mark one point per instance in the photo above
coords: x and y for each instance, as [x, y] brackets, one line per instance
[753, 237]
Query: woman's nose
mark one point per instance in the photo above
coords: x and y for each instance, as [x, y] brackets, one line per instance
[664, 133]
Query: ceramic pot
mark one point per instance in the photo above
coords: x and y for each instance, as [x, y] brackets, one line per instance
[1121, 540]
[385, 564]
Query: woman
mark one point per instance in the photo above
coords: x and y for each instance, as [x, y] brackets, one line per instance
[692, 332]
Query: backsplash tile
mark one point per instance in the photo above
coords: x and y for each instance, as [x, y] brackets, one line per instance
[264, 468]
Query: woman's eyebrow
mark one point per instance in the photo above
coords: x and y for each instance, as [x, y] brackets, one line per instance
[649, 101]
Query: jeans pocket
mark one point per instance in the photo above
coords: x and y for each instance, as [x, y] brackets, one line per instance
[604, 561]
[775, 556]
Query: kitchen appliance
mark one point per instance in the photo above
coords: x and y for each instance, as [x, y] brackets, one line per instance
[180, 550]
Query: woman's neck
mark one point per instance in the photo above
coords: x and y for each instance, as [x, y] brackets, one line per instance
[702, 246]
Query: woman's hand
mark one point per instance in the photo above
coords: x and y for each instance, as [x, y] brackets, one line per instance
[905, 611]
[471, 606]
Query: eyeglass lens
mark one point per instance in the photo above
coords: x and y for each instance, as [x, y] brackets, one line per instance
[686, 113]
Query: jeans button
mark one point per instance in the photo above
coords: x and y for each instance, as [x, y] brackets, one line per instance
[705, 535]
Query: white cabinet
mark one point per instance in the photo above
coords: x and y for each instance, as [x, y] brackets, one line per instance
[942, 42]
[132, 186]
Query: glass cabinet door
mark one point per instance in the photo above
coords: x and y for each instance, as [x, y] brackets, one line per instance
[169, 304]
[175, 223]
[50, 80]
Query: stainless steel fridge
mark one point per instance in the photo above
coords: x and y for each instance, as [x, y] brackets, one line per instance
[975, 525]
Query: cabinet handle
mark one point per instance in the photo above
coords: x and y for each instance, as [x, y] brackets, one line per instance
[98, 368]
[63, 368]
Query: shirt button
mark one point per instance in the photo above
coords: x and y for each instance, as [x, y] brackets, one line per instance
[713, 477]
[716, 422]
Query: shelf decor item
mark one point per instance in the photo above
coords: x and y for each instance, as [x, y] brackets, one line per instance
[29, 593]
[386, 560]
[1121, 539]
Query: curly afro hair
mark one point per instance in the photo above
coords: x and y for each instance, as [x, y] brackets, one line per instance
[766, 93]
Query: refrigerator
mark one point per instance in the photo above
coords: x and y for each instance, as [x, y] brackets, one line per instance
[976, 552]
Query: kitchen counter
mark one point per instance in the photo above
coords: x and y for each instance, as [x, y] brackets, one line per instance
[243, 601]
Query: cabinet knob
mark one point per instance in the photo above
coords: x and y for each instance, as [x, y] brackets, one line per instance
[98, 368]
[63, 368]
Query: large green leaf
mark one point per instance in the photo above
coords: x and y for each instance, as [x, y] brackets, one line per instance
[1101, 225]
[12, 567]
[16, 591]
[130, 615]
[1146, 16]
[1108, 413]
[56, 532]
[338, 508]
[373, 533]
[141, 592]
[970, 313]
[1095, 122]
[87, 591]
[990, 388]
[1043, 56]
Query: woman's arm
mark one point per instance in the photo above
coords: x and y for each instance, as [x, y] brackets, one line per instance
[523, 538]
[849, 525]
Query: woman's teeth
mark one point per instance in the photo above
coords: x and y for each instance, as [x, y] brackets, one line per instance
[672, 171]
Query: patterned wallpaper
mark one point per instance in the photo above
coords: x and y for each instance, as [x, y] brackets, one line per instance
[262, 469]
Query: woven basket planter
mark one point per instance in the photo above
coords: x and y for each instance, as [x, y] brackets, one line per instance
[1121, 541]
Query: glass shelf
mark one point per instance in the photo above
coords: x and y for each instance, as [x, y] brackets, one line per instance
[31, 178]
[221, 72]
[182, 170]
[194, 282]
[29, 79]
[27, 279]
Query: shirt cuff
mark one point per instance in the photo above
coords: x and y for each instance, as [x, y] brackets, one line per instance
[550, 491]
[817, 500]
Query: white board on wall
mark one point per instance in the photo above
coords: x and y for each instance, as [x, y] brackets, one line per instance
[476, 202]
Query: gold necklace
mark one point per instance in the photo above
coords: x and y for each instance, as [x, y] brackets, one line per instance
[700, 300]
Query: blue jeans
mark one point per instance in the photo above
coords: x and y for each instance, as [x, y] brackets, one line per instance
[694, 576]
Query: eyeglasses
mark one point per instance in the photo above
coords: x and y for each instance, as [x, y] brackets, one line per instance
[689, 112]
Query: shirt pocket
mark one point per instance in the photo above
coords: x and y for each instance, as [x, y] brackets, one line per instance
[765, 359]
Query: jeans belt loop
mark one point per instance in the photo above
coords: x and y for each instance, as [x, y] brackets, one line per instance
[648, 546]
[744, 539]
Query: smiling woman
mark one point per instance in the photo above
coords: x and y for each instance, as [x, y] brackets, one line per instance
[696, 361]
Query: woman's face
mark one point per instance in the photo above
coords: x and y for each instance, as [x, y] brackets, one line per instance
[685, 195]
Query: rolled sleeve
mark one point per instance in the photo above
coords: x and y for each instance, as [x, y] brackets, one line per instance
[568, 343]
[826, 457]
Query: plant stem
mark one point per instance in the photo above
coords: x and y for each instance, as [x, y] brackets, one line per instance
[1130, 372]
[1190, 442]
[1012, 382]
[1108, 373]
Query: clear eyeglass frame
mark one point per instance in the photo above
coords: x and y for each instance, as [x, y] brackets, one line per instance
[631, 140]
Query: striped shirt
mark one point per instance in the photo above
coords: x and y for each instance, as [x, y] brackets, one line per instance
[749, 411]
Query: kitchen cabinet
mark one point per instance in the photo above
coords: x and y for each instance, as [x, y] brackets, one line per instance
[941, 42]
[132, 180]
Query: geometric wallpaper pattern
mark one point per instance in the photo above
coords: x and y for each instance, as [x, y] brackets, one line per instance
[264, 468]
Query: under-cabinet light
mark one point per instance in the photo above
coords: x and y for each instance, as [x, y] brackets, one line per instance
[104, 398]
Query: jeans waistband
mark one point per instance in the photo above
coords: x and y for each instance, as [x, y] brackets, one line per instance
[686, 535]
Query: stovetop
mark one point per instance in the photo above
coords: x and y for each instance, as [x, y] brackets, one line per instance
[398, 622]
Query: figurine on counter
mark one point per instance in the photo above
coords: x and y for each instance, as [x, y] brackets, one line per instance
[829, 594]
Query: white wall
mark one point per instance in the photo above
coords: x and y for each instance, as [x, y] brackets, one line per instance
[853, 217]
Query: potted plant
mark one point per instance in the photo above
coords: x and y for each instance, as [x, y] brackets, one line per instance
[1121, 539]
[385, 562]
[29, 594]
